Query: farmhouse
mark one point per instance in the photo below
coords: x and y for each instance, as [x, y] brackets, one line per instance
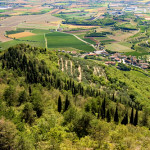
[110, 63]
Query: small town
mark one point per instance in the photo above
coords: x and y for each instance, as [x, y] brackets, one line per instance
[112, 59]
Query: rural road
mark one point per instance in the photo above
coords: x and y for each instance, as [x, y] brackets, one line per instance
[84, 41]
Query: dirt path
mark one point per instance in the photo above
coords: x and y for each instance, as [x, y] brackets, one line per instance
[80, 75]
[66, 65]
[95, 72]
[62, 65]
[71, 67]
[147, 43]
[84, 41]
[45, 41]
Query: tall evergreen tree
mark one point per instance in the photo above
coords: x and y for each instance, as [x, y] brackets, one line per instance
[66, 103]
[125, 119]
[116, 117]
[131, 117]
[103, 111]
[108, 116]
[59, 104]
[136, 118]
[30, 90]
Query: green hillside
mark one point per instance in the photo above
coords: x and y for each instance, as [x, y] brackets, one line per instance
[51, 100]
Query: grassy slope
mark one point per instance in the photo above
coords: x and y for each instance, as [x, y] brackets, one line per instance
[50, 129]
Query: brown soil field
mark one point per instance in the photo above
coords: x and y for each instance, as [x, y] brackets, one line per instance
[93, 39]
[56, 11]
[101, 8]
[107, 29]
[18, 9]
[28, 6]
[11, 23]
[2, 34]
[121, 36]
[77, 32]
[35, 9]
[20, 35]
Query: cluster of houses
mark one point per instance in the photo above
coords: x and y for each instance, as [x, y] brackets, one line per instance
[132, 60]
[119, 58]
[113, 58]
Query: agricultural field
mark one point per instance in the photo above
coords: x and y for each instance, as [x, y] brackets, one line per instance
[20, 35]
[36, 38]
[63, 40]
[118, 47]
[30, 21]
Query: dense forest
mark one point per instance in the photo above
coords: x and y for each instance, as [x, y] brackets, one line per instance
[51, 100]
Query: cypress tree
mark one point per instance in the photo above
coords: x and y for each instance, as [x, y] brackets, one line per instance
[113, 97]
[103, 109]
[108, 116]
[125, 119]
[59, 104]
[66, 103]
[131, 117]
[30, 90]
[116, 117]
[136, 118]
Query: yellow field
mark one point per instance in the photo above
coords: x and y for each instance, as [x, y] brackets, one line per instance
[78, 26]
[20, 35]
[91, 10]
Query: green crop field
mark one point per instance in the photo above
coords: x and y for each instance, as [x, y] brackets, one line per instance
[63, 40]
[36, 40]
[40, 31]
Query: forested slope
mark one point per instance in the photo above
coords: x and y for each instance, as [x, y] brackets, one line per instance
[50, 100]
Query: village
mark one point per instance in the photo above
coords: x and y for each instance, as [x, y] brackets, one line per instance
[112, 59]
